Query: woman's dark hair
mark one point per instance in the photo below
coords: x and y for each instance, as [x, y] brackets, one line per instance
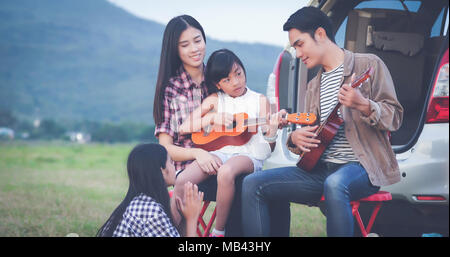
[170, 60]
[144, 172]
[308, 20]
[219, 66]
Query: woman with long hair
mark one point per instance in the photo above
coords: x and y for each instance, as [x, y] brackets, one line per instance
[145, 210]
[180, 89]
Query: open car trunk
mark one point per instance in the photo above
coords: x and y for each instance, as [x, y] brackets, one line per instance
[408, 36]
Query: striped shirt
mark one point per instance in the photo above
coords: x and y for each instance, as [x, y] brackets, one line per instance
[339, 150]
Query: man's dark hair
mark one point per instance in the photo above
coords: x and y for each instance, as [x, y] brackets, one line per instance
[308, 20]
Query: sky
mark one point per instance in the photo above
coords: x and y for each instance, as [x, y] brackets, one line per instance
[249, 21]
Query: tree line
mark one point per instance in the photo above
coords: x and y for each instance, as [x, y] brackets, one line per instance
[50, 129]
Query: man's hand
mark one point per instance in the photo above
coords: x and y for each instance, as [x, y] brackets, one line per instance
[304, 138]
[352, 98]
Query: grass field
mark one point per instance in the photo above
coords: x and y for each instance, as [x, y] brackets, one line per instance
[57, 188]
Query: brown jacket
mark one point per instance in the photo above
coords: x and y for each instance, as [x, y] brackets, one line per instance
[366, 135]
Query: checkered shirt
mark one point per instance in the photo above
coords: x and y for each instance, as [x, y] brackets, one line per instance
[144, 217]
[181, 97]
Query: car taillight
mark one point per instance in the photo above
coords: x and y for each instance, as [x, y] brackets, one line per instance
[273, 84]
[429, 198]
[439, 101]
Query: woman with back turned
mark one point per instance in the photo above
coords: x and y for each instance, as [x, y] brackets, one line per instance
[145, 211]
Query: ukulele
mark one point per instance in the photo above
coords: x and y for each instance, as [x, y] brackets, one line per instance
[327, 130]
[240, 131]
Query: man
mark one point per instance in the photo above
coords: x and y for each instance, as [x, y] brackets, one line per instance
[358, 160]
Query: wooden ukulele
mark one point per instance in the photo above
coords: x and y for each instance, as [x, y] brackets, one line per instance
[241, 130]
[327, 130]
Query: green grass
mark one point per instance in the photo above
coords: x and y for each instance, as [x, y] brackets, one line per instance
[57, 188]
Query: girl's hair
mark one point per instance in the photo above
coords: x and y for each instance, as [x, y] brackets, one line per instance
[219, 66]
[144, 172]
[170, 60]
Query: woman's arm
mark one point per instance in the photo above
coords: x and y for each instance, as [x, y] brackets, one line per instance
[200, 117]
[205, 160]
[165, 134]
[177, 153]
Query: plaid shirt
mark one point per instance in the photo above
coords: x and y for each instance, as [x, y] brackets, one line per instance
[144, 217]
[181, 97]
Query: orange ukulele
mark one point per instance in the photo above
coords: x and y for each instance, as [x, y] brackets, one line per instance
[327, 130]
[240, 132]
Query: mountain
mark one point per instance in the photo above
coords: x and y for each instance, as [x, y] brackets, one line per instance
[89, 59]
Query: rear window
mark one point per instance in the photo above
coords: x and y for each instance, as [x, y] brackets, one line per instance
[412, 6]
[439, 27]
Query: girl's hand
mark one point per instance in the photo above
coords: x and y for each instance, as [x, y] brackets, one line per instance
[281, 118]
[223, 119]
[192, 204]
[191, 207]
[275, 121]
[209, 163]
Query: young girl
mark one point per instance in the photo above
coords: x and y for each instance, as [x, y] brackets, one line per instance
[145, 211]
[226, 80]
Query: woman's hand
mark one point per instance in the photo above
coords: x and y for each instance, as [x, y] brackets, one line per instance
[209, 163]
[304, 138]
[191, 207]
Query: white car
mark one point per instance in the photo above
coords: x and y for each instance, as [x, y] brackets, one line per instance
[412, 39]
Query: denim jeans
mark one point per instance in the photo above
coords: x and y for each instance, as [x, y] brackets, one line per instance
[339, 183]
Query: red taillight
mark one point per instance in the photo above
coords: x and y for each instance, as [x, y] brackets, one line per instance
[438, 110]
[439, 101]
[430, 198]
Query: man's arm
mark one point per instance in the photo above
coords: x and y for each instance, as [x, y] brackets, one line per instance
[383, 111]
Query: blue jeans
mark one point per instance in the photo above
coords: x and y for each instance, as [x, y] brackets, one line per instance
[339, 183]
